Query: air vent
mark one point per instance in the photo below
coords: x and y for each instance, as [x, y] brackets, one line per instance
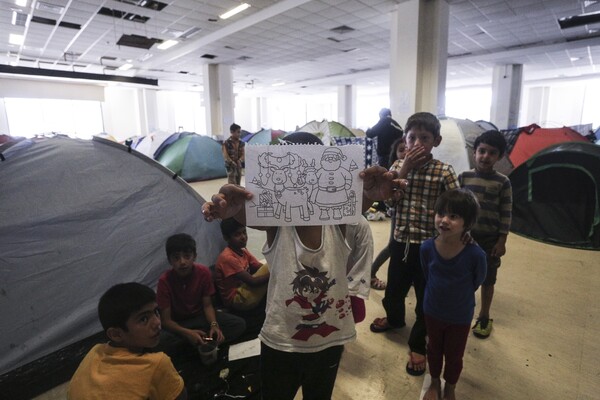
[184, 72]
[52, 22]
[137, 41]
[19, 19]
[109, 12]
[244, 58]
[149, 4]
[51, 8]
[342, 29]
[190, 32]
[209, 56]
[334, 40]
[579, 20]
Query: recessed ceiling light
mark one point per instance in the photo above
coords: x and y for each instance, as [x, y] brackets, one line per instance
[167, 44]
[125, 67]
[574, 58]
[13, 38]
[234, 11]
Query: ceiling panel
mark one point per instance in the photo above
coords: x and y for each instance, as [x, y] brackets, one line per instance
[288, 40]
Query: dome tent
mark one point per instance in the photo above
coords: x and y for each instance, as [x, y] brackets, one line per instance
[193, 157]
[326, 129]
[79, 216]
[556, 196]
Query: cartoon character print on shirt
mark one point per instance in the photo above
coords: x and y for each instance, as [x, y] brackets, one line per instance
[310, 289]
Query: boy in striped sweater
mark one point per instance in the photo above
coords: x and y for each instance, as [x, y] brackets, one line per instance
[494, 193]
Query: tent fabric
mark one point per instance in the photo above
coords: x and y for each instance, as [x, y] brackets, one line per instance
[326, 129]
[556, 196]
[77, 217]
[532, 139]
[194, 158]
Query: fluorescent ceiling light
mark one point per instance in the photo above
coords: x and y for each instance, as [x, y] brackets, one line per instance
[15, 39]
[21, 3]
[167, 44]
[125, 67]
[574, 58]
[278, 84]
[234, 11]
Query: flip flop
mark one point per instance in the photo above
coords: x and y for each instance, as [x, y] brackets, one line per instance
[378, 284]
[381, 325]
[411, 370]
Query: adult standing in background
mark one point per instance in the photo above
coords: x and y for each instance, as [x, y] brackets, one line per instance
[387, 131]
[233, 153]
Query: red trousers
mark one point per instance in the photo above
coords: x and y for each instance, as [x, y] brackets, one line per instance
[447, 343]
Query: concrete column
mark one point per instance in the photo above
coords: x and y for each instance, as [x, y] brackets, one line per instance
[506, 95]
[218, 99]
[418, 58]
[347, 105]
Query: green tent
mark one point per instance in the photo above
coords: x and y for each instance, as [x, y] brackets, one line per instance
[194, 158]
[326, 129]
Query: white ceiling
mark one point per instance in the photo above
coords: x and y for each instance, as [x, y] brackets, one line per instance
[292, 41]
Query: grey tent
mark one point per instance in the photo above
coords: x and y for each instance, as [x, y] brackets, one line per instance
[76, 218]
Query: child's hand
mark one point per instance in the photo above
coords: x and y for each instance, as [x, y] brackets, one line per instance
[216, 331]
[416, 158]
[380, 184]
[229, 202]
[195, 336]
[498, 250]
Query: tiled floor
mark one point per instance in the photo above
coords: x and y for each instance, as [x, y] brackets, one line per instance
[546, 314]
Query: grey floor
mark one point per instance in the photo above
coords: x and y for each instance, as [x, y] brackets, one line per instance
[544, 344]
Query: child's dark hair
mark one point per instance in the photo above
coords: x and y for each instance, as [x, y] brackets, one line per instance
[459, 201]
[181, 242]
[393, 155]
[492, 138]
[229, 226]
[425, 121]
[234, 127]
[119, 302]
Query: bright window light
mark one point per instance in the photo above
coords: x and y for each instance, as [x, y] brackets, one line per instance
[167, 44]
[234, 11]
[125, 67]
[15, 39]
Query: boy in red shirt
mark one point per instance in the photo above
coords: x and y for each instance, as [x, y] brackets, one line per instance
[241, 278]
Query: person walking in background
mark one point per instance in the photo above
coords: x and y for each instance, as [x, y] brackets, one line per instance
[494, 193]
[385, 131]
[233, 153]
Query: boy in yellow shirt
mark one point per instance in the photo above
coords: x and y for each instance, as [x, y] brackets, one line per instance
[122, 368]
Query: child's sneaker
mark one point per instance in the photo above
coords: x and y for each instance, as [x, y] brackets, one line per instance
[483, 328]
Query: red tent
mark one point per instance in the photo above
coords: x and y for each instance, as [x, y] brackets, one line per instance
[532, 139]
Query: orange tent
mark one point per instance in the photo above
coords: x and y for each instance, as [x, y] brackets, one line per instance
[532, 139]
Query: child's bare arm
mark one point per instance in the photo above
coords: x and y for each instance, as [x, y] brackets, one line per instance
[252, 280]
[194, 336]
[211, 317]
[499, 248]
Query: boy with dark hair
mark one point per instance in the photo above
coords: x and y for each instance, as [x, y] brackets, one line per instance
[414, 223]
[122, 368]
[494, 193]
[184, 296]
[233, 153]
[240, 277]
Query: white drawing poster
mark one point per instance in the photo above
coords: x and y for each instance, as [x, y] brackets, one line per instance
[304, 184]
